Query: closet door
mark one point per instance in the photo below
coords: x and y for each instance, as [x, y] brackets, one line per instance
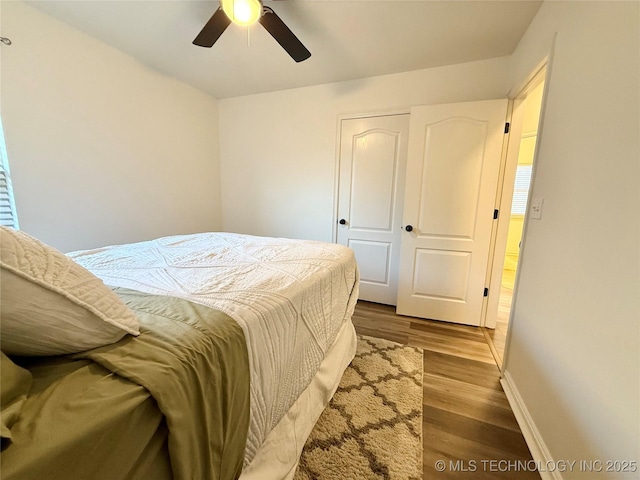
[450, 193]
[373, 154]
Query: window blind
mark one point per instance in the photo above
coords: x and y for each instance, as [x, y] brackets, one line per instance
[8, 215]
[521, 189]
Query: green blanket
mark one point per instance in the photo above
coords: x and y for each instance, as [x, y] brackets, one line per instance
[191, 358]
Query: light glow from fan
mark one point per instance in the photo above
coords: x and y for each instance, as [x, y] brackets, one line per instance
[242, 12]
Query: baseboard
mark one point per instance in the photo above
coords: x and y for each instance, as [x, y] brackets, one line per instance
[538, 448]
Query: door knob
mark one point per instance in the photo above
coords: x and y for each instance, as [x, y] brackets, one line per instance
[342, 221]
[408, 228]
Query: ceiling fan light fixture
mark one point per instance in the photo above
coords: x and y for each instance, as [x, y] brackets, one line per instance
[242, 12]
[231, 11]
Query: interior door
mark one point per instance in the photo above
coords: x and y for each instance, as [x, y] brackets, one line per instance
[450, 192]
[373, 153]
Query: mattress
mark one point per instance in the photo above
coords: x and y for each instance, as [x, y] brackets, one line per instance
[291, 298]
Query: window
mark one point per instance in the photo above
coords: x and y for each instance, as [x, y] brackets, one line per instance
[521, 189]
[8, 215]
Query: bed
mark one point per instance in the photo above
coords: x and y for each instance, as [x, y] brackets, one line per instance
[242, 341]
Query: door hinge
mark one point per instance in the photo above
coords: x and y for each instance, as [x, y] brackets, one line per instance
[486, 292]
[495, 214]
[506, 127]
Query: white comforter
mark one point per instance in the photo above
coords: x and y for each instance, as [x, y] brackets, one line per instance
[289, 296]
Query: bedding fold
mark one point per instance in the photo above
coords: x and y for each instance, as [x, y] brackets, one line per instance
[193, 361]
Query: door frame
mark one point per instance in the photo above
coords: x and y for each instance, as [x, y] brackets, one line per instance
[505, 191]
[336, 166]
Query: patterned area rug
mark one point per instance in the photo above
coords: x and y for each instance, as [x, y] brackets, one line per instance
[372, 429]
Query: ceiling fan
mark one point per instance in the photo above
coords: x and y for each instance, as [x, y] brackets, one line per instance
[247, 12]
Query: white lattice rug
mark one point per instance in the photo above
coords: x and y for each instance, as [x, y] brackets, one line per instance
[372, 429]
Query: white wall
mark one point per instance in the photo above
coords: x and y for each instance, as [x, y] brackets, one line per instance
[102, 149]
[278, 150]
[573, 354]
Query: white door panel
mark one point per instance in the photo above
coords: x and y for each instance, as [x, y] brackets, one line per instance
[441, 274]
[373, 259]
[452, 173]
[373, 179]
[371, 191]
[451, 178]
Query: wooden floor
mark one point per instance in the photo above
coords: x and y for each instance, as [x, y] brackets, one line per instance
[468, 422]
[498, 336]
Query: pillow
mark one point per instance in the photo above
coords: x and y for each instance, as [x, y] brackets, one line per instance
[51, 305]
[15, 383]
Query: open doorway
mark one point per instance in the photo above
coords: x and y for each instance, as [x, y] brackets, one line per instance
[515, 196]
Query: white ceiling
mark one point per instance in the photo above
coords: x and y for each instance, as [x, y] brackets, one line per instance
[347, 39]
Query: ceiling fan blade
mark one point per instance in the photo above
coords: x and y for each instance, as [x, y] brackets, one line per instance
[216, 25]
[285, 37]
